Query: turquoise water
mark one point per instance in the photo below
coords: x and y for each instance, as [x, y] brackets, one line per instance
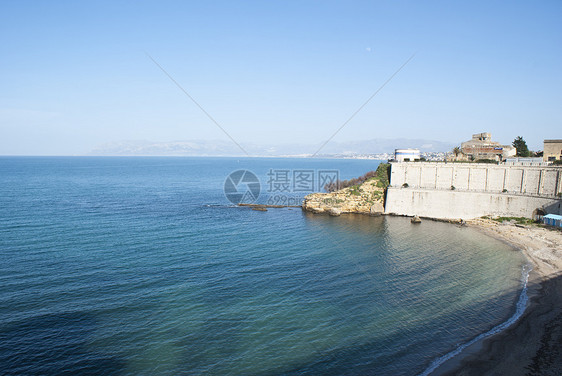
[142, 266]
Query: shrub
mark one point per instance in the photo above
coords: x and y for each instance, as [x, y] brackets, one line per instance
[382, 174]
[355, 190]
[405, 185]
[452, 188]
[485, 161]
[518, 220]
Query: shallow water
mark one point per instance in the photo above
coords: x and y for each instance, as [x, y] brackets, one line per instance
[142, 266]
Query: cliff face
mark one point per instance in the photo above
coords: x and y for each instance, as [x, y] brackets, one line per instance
[365, 198]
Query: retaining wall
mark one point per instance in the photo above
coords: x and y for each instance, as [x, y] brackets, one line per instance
[529, 180]
[479, 190]
[465, 205]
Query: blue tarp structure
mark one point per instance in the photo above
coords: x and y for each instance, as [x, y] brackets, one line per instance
[552, 220]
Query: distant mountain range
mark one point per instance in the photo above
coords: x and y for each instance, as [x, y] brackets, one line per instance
[227, 148]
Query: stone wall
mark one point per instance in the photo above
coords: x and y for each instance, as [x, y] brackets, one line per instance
[526, 180]
[452, 190]
[465, 205]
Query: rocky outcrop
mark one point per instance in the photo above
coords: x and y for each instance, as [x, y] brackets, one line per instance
[366, 198]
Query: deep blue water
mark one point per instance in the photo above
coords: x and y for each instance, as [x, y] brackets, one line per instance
[122, 266]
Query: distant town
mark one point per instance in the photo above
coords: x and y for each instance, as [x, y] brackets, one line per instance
[481, 148]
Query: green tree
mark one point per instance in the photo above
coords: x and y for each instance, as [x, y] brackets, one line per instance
[521, 146]
[456, 151]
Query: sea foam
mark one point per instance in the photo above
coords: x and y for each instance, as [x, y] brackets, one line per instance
[519, 309]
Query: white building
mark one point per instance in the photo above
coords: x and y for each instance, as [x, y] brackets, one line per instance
[406, 155]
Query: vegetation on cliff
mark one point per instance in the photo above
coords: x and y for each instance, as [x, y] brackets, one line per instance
[364, 194]
[382, 174]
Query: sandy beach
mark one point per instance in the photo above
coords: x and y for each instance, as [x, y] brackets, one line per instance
[533, 344]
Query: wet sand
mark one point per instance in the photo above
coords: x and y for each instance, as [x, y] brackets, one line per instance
[533, 344]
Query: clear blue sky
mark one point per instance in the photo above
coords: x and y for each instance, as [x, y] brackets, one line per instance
[74, 74]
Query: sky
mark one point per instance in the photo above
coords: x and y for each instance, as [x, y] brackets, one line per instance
[76, 74]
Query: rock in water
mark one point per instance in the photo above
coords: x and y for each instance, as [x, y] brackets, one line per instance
[334, 212]
[416, 219]
[376, 209]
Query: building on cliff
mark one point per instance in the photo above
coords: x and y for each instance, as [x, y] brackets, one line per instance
[406, 155]
[481, 146]
[552, 150]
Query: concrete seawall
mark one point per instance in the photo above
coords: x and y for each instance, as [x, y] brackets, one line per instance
[465, 205]
[467, 191]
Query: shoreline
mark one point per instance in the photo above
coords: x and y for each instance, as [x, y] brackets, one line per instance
[528, 342]
[530, 345]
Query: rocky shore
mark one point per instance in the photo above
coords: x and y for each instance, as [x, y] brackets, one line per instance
[530, 346]
[363, 198]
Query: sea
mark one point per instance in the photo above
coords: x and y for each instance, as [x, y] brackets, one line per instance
[146, 266]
